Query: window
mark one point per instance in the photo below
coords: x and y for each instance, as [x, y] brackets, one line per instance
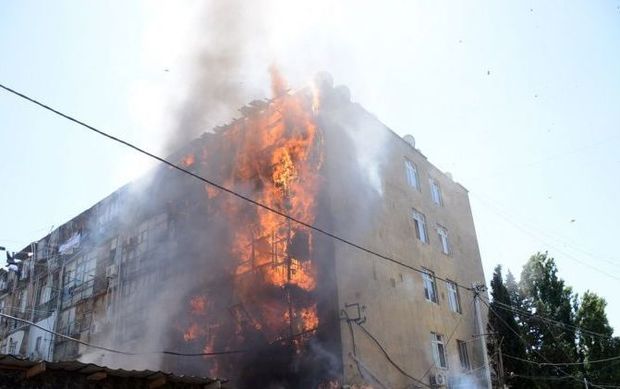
[412, 174]
[12, 346]
[37, 345]
[430, 290]
[439, 351]
[453, 297]
[68, 320]
[435, 192]
[463, 355]
[420, 226]
[45, 294]
[443, 239]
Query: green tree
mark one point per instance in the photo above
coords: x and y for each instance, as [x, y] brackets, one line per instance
[540, 320]
[505, 328]
[513, 289]
[596, 341]
[551, 326]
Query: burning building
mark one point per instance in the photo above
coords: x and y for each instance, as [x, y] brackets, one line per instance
[258, 262]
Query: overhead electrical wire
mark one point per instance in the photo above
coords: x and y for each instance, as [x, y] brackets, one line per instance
[557, 378]
[260, 205]
[562, 363]
[114, 350]
[458, 323]
[526, 344]
[221, 187]
[166, 352]
[535, 236]
[389, 358]
[506, 307]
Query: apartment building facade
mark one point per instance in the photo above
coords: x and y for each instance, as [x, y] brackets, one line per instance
[161, 264]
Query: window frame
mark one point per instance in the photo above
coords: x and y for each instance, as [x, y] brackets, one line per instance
[37, 344]
[438, 347]
[436, 194]
[45, 293]
[411, 171]
[444, 241]
[430, 283]
[454, 297]
[461, 346]
[419, 224]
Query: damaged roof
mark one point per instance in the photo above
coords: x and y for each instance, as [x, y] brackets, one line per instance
[92, 372]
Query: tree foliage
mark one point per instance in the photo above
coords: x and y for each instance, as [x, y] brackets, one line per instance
[593, 346]
[540, 322]
[504, 326]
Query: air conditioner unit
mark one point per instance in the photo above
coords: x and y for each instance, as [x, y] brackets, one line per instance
[110, 271]
[438, 380]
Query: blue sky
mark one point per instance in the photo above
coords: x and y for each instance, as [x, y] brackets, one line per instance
[519, 100]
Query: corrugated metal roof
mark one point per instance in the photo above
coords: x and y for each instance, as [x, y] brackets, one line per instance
[90, 368]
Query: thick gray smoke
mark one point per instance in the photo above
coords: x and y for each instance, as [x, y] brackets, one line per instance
[230, 37]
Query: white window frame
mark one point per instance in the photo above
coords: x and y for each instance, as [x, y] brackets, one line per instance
[443, 239]
[419, 221]
[439, 350]
[411, 171]
[430, 286]
[435, 191]
[454, 299]
[463, 355]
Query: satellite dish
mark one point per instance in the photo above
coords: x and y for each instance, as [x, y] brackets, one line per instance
[410, 139]
[449, 175]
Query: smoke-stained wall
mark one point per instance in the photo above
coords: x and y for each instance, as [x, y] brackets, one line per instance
[221, 275]
[372, 204]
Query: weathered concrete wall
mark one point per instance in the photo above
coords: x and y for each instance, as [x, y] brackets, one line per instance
[396, 310]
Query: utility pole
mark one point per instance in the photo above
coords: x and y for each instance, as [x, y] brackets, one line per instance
[477, 289]
[500, 364]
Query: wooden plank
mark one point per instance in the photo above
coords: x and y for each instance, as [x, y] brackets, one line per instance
[35, 370]
[98, 376]
[157, 383]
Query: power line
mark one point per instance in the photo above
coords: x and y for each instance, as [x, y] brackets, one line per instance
[600, 142]
[556, 378]
[545, 378]
[562, 363]
[215, 353]
[506, 307]
[535, 236]
[556, 237]
[458, 323]
[113, 350]
[389, 358]
[221, 187]
[526, 343]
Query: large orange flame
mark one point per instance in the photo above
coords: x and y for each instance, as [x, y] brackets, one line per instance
[278, 156]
